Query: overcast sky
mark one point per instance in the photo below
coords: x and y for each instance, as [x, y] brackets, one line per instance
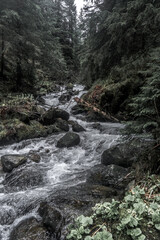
[79, 4]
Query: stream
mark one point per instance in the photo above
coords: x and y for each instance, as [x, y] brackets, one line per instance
[58, 168]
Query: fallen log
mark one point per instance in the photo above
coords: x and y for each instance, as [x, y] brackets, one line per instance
[95, 109]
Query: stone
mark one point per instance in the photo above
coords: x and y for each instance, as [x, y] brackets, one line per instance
[70, 139]
[112, 176]
[118, 155]
[29, 229]
[7, 215]
[9, 162]
[52, 114]
[23, 178]
[51, 217]
[77, 109]
[76, 127]
[35, 157]
[62, 124]
[65, 98]
[125, 154]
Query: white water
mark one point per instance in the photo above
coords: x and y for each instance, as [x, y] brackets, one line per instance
[60, 167]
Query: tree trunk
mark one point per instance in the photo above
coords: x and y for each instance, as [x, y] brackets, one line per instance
[2, 56]
[19, 75]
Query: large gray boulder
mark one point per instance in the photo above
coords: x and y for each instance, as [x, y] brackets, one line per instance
[9, 162]
[111, 175]
[125, 154]
[50, 116]
[69, 140]
[121, 155]
[29, 229]
[51, 217]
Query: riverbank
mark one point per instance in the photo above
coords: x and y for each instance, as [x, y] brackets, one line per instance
[48, 181]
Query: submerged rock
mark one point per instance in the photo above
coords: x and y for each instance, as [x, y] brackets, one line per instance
[7, 215]
[35, 157]
[51, 217]
[69, 140]
[29, 229]
[12, 161]
[111, 175]
[23, 178]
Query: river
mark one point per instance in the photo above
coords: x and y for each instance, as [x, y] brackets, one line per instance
[57, 169]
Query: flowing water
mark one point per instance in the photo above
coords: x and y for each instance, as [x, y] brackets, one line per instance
[58, 167]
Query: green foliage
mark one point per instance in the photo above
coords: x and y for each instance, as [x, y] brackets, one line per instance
[145, 106]
[38, 41]
[128, 29]
[140, 206]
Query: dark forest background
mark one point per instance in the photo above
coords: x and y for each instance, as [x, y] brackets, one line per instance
[113, 47]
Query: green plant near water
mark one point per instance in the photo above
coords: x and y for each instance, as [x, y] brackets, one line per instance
[117, 220]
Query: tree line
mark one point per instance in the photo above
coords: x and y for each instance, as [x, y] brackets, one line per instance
[38, 41]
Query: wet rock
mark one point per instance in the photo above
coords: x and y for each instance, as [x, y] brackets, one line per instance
[97, 126]
[95, 117]
[23, 178]
[51, 217]
[81, 197]
[35, 157]
[116, 156]
[12, 161]
[49, 117]
[62, 125]
[69, 86]
[29, 229]
[65, 97]
[7, 215]
[124, 154]
[76, 127]
[69, 140]
[78, 110]
[41, 100]
[111, 175]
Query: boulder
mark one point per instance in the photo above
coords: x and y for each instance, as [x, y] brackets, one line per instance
[120, 155]
[77, 109]
[12, 161]
[7, 215]
[65, 97]
[29, 229]
[35, 157]
[125, 154]
[23, 178]
[69, 140]
[76, 127]
[111, 175]
[81, 197]
[62, 125]
[50, 116]
[51, 217]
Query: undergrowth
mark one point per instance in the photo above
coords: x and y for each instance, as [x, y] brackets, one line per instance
[136, 216]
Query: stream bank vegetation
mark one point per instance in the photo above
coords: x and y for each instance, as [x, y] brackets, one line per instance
[136, 217]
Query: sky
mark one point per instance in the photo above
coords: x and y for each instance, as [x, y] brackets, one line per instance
[79, 4]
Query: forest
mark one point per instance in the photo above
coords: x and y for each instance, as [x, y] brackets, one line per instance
[80, 120]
